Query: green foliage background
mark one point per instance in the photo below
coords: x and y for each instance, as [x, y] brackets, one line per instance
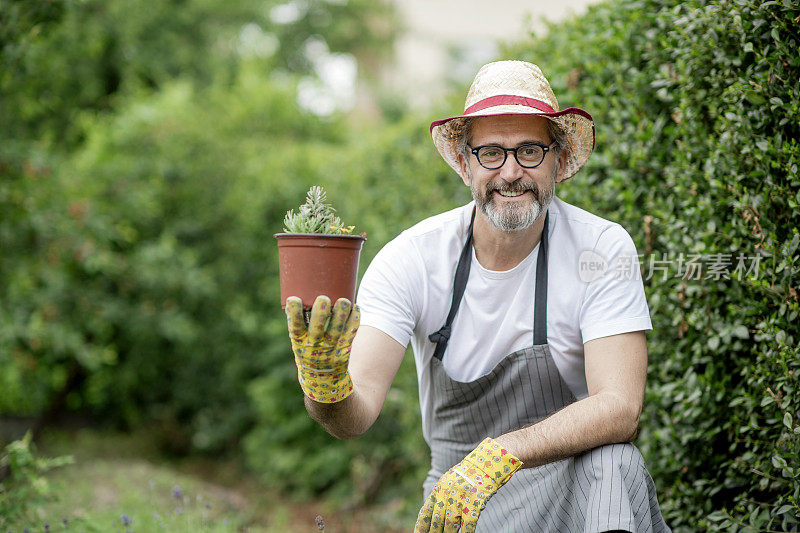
[146, 161]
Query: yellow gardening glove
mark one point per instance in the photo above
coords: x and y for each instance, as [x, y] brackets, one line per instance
[462, 492]
[321, 354]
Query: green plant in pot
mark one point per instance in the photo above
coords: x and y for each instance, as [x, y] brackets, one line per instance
[317, 253]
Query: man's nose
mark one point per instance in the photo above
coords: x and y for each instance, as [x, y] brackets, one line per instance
[511, 169]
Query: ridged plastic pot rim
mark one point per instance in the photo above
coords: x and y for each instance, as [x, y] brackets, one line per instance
[322, 235]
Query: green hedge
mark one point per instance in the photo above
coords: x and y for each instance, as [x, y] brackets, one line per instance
[697, 107]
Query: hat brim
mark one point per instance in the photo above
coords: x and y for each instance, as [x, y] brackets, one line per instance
[576, 123]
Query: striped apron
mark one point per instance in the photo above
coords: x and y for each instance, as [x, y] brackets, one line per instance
[606, 488]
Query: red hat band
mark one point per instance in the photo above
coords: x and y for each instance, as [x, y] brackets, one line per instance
[508, 99]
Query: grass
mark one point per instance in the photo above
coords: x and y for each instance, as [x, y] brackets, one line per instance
[121, 483]
[121, 495]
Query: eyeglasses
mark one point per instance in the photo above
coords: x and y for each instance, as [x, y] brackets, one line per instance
[528, 155]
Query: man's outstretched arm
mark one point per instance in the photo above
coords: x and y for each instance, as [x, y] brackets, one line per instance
[374, 360]
[616, 368]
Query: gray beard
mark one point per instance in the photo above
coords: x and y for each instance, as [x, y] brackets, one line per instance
[513, 217]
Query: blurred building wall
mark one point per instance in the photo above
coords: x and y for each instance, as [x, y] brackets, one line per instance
[445, 42]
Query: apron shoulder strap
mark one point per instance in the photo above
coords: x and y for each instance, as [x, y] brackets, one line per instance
[442, 336]
[540, 303]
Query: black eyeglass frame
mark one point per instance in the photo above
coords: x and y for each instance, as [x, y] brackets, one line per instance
[545, 148]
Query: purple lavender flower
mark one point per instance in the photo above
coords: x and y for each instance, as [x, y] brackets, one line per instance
[46, 526]
[320, 523]
[177, 493]
[125, 519]
[65, 521]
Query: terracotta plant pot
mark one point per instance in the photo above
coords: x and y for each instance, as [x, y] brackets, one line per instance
[312, 264]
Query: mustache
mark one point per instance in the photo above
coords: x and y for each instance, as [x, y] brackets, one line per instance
[516, 186]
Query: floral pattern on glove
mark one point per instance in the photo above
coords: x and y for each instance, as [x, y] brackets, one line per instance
[462, 492]
[322, 349]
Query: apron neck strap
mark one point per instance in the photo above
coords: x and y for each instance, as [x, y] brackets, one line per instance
[459, 286]
[441, 336]
[540, 303]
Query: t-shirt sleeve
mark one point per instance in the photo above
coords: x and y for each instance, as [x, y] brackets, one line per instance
[614, 302]
[392, 290]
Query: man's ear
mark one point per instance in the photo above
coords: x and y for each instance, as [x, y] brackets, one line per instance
[462, 163]
[562, 163]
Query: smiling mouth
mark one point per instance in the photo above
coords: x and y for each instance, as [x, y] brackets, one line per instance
[510, 194]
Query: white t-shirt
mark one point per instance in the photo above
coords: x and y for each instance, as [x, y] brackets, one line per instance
[594, 290]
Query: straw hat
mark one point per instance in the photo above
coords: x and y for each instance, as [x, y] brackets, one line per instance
[511, 88]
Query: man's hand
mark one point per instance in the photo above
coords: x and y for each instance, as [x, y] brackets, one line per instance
[462, 492]
[322, 354]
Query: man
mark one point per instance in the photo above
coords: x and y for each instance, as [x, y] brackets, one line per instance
[531, 368]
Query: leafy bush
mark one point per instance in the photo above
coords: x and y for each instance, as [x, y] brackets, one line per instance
[144, 170]
[64, 59]
[697, 107]
[23, 485]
